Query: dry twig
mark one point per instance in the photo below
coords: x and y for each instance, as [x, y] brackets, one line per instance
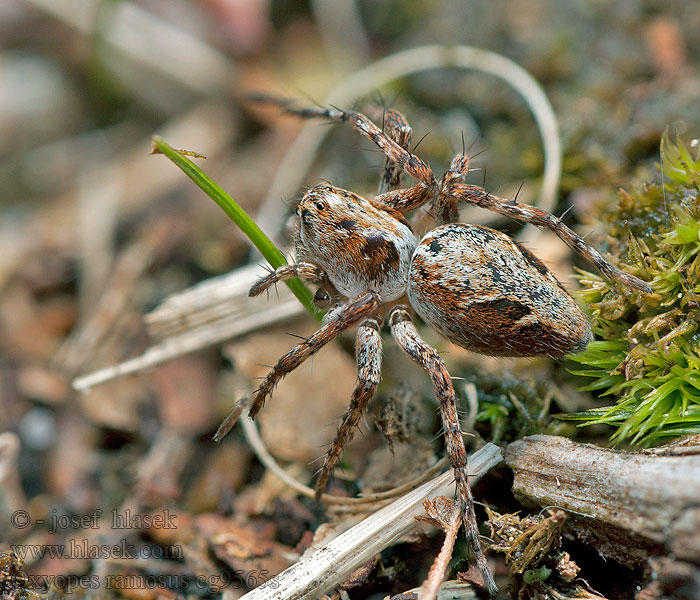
[443, 513]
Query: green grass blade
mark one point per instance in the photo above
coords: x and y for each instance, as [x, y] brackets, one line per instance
[269, 251]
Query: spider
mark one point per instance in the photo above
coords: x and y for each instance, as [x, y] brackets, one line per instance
[474, 285]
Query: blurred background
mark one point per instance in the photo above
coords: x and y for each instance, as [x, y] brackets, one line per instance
[95, 233]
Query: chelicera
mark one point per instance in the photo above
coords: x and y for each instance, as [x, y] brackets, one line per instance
[474, 285]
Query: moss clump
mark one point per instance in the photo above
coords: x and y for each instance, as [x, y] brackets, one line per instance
[511, 407]
[648, 357]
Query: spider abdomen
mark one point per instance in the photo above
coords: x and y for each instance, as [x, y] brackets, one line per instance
[488, 294]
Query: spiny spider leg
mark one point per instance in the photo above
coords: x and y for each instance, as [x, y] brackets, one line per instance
[446, 204]
[301, 269]
[368, 349]
[388, 141]
[368, 344]
[407, 199]
[343, 317]
[395, 125]
[541, 218]
[404, 332]
[407, 161]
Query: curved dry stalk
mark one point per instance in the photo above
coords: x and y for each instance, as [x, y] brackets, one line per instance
[258, 446]
[301, 154]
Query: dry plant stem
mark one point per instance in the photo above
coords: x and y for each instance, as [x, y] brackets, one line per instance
[628, 505]
[431, 586]
[188, 342]
[206, 302]
[256, 443]
[207, 314]
[329, 566]
[450, 590]
[302, 152]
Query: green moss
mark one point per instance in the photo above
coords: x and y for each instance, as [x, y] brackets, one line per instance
[649, 360]
[512, 407]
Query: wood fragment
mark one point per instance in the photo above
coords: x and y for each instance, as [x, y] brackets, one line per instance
[630, 506]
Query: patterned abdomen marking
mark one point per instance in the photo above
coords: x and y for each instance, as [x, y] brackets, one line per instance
[488, 294]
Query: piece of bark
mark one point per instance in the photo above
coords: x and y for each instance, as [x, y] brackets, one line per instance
[628, 505]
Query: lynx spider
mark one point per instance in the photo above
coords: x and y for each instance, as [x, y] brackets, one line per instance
[474, 285]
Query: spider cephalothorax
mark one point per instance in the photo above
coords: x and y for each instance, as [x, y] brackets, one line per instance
[337, 228]
[473, 284]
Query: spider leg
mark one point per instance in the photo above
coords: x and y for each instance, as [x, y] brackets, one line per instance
[407, 199]
[392, 139]
[404, 332]
[410, 163]
[446, 204]
[302, 269]
[343, 317]
[368, 350]
[407, 161]
[541, 218]
[395, 125]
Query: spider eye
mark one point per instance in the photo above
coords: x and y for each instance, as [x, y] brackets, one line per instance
[321, 205]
